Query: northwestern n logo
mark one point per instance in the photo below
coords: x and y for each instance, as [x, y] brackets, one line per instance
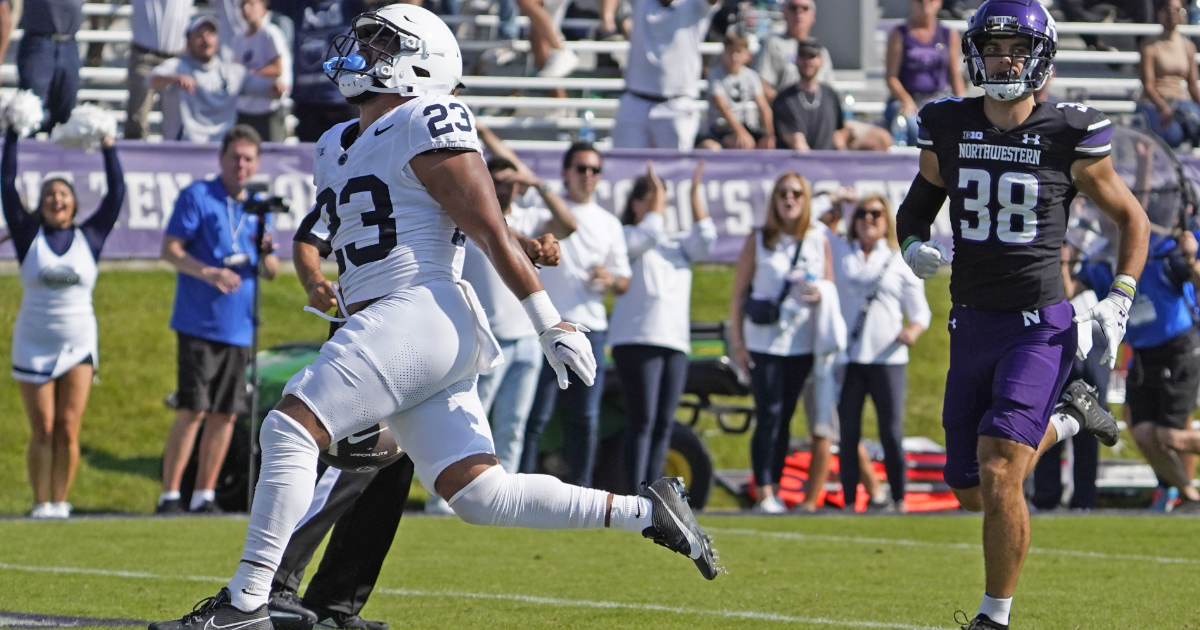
[1031, 318]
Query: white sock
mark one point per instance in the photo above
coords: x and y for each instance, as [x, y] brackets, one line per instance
[168, 496]
[631, 514]
[1065, 425]
[499, 499]
[281, 498]
[200, 496]
[995, 609]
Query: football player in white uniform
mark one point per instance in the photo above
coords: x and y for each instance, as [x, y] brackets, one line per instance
[395, 188]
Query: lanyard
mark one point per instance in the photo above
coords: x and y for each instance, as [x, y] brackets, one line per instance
[234, 232]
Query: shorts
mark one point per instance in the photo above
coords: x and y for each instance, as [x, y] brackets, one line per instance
[411, 359]
[719, 134]
[1162, 383]
[211, 376]
[1006, 373]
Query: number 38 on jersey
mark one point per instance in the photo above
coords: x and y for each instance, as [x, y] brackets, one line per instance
[1000, 207]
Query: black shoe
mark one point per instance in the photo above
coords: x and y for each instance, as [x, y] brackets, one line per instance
[208, 507]
[218, 612]
[170, 506]
[1079, 401]
[288, 613]
[675, 526]
[331, 619]
[1187, 507]
[980, 622]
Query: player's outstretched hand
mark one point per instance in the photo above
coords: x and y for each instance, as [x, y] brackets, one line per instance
[924, 258]
[565, 346]
[1112, 313]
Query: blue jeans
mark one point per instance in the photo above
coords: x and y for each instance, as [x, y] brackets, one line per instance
[508, 394]
[50, 69]
[775, 383]
[1184, 125]
[652, 380]
[506, 11]
[580, 417]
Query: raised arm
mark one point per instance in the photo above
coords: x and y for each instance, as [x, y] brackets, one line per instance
[100, 224]
[698, 245]
[22, 226]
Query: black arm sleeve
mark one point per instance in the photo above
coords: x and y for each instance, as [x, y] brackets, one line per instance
[98, 226]
[21, 225]
[918, 210]
[304, 235]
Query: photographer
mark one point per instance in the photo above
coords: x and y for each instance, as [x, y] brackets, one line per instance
[210, 240]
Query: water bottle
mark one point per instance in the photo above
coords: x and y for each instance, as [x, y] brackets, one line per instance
[848, 106]
[587, 133]
[900, 130]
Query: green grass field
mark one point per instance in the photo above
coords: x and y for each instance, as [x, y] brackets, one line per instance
[1094, 572]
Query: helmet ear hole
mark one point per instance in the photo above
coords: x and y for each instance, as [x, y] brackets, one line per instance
[421, 72]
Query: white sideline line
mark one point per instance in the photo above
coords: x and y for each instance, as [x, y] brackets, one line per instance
[901, 542]
[528, 599]
[730, 614]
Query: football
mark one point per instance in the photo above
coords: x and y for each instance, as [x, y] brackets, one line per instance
[365, 451]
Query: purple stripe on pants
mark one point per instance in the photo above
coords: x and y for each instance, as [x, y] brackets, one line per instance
[1006, 373]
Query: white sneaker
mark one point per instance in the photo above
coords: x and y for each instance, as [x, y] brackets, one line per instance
[42, 510]
[62, 509]
[500, 56]
[771, 505]
[559, 63]
[437, 506]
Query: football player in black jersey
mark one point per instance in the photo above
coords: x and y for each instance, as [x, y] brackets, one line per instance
[1010, 168]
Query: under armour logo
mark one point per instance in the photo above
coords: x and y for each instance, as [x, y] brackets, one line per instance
[320, 151]
[953, 323]
[1031, 138]
[1031, 318]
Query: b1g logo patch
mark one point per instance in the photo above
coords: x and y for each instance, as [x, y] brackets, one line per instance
[972, 135]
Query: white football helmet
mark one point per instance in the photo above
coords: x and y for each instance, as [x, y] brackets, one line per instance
[400, 48]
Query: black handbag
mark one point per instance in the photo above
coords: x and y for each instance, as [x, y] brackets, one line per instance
[766, 312]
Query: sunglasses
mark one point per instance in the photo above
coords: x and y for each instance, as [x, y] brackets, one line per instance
[583, 169]
[873, 214]
[790, 192]
[798, 8]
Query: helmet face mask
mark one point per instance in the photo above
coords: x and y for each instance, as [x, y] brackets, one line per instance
[400, 49]
[1010, 19]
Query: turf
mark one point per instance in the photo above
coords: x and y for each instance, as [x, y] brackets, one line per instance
[1090, 572]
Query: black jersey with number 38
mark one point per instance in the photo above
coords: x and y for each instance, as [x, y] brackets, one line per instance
[1010, 194]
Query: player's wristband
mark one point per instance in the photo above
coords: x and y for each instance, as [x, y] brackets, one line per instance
[908, 241]
[1125, 286]
[541, 311]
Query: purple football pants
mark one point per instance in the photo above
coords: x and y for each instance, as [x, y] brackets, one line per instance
[1006, 373]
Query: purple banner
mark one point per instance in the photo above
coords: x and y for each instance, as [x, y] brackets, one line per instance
[736, 184]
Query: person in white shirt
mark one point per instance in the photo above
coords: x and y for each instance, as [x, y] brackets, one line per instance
[594, 262]
[662, 78]
[159, 31]
[263, 49]
[651, 323]
[878, 292]
[778, 266]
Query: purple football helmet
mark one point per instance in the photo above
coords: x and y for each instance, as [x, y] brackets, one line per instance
[1011, 18]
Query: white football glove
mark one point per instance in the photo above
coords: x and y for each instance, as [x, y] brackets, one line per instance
[1112, 313]
[924, 258]
[569, 349]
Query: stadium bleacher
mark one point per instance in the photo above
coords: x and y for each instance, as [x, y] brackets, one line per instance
[521, 108]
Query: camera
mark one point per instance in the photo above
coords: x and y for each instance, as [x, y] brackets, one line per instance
[260, 202]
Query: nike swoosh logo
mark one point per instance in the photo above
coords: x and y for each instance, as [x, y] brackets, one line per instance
[559, 344]
[232, 626]
[359, 437]
[693, 542]
[379, 131]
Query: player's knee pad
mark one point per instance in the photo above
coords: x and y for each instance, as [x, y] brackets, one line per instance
[284, 490]
[498, 499]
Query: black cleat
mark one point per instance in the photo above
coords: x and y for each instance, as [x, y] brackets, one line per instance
[208, 507]
[1079, 401]
[288, 613]
[169, 507]
[675, 526]
[980, 622]
[1187, 507]
[333, 620]
[218, 612]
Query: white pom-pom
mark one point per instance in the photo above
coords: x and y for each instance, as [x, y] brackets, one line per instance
[24, 113]
[87, 126]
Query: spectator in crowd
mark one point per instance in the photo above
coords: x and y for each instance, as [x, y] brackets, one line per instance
[48, 55]
[210, 240]
[54, 348]
[594, 262]
[739, 116]
[159, 33]
[774, 333]
[651, 322]
[1168, 61]
[808, 114]
[200, 89]
[662, 76]
[318, 104]
[878, 293]
[551, 58]
[923, 60]
[265, 53]
[776, 60]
